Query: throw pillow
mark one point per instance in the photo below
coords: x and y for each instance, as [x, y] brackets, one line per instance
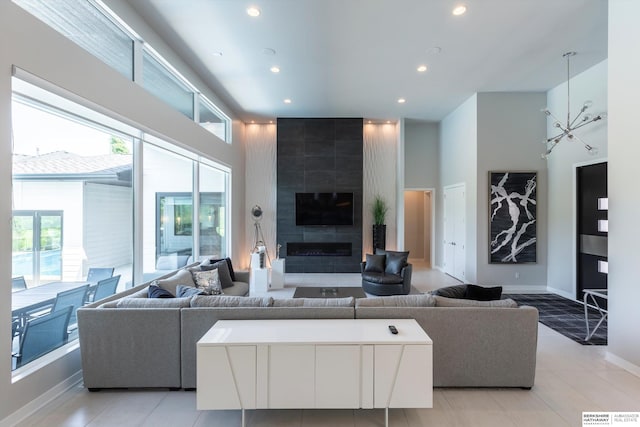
[396, 260]
[375, 263]
[228, 260]
[208, 281]
[455, 291]
[481, 293]
[156, 291]
[182, 277]
[224, 274]
[188, 291]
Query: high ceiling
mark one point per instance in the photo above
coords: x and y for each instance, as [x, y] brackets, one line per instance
[356, 58]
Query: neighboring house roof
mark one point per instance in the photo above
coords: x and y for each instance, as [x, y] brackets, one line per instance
[64, 165]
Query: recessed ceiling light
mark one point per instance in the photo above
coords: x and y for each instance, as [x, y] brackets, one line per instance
[216, 53]
[253, 11]
[401, 100]
[253, 121]
[268, 51]
[388, 122]
[287, 101]
[435, 50]
[275, 69]
[422, 68]
[459, 10]
[271, 121]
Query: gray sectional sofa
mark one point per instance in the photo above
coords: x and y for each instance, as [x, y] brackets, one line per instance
[132, 341]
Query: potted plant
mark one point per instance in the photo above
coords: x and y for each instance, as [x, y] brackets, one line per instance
[379, 210]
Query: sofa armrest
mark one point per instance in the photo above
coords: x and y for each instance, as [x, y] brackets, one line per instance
[122, 347]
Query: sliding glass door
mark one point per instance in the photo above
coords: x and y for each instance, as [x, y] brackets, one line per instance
[37, 246]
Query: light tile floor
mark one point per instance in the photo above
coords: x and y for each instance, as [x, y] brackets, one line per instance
[570, 379]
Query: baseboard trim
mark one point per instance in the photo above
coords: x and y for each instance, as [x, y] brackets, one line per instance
[42, 400]
[624, 364]
[561, 293]
[524, 289]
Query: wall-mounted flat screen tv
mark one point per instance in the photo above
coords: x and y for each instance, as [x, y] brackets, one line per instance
[324, 208]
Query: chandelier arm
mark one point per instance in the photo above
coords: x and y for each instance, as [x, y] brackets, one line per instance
[587, 146]
[595, 119]
[558, 136]
[575, 120]
[568, 92]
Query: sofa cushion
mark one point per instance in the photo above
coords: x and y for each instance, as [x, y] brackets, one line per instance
[382, 278]
[375, 263]
[454, 302]
[153, 303]
[182, 277]
[157, 292]
[455, 291]
[314, 302]
[396, 260]
[481, 293]
[424, 300]
[188, 291]
[208, 281]
[230, 301]
[238, 289]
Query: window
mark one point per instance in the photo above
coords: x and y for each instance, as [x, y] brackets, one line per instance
[164, 84]
[87, 26]
[213, 211]
[99, 31]
[72, 181]
[167, 207]
[213, 119]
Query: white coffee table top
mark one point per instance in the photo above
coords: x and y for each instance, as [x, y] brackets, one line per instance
[315, 331]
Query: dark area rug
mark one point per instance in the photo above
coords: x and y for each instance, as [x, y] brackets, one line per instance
[565, 316]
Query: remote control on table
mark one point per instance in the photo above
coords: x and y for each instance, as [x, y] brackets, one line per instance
[393, 329]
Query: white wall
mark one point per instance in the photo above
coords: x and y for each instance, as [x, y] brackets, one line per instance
[510, 128]
[458, 164]
[588, 85]
[261, 159]
[108, 227]
[624, 204]
[421, 167]
[36, 48]
[380, 169]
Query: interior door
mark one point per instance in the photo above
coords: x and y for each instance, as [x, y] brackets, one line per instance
[454, 231]
[591, 185]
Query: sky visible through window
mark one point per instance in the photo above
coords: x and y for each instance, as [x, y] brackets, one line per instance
[36, 132]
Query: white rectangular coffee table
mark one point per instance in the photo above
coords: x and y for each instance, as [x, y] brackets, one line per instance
[314, 363]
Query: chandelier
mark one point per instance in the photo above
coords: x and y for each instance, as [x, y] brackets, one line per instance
[567, 130]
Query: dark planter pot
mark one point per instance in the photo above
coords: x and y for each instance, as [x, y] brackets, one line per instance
[379, 237]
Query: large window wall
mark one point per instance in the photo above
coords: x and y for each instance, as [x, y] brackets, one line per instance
[74, 196]
[95, 28]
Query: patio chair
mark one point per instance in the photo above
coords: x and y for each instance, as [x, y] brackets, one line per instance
[18, 284]
[96, 274]
[106, 287]
[73, 298]
[42, 335]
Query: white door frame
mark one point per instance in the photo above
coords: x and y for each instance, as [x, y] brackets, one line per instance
[432, 190]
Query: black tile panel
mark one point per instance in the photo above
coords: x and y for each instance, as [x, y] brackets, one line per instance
[319, 155]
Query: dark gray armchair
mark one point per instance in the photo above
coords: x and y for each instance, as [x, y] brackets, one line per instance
[385, 283]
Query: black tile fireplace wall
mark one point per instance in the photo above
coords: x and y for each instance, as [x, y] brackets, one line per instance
[319, 155]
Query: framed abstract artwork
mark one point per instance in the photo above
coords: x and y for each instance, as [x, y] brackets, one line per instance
[512, 217]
